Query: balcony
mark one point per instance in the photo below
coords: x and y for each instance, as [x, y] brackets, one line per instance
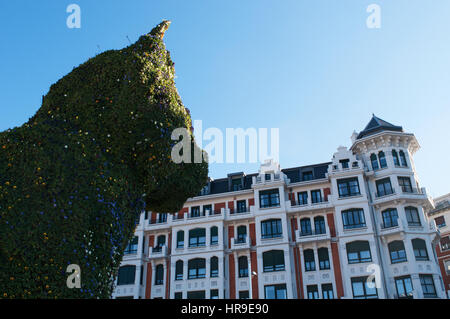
[295, 206]
[401, 192]
[340, 167]
[262, 179]
[237, 245]
[314, 235]
[157, 252]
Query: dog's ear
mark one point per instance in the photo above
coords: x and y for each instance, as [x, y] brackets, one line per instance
[161, 29]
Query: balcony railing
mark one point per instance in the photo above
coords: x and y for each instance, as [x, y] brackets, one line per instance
[240, 244]
[313, 235]
[157, 252]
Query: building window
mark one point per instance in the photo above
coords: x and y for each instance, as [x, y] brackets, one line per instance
[303, 198]
[420, 249]
[132, 246]
[412, 216]
[427, 283]
[348, 187]
[236, 184]
[196, 268]
[180, 239]
[243, 266]
[244, 294]
[197, 237]
[395, 158]
[160, 242]
[126, 275]
[195, 211]
[179, 270]
[358, 252]
[327, 291]
[384, 187]
[214, 235]
[312, 291]
[269, 198]
[241, 206]
[241, 234]
[305, 227]
[403, 159]
[207, 210]
[405, 184]
[271, 228]
[445, 243]
[440, 221]
[316, 196]
[310, 263]
[353, 218]
[178, 295]
[397, 251]
[344, 163]
[214, 293]
[273, 260]
[404, 287]
[196, 295]
[319, 225]
[382, 159]
[307, 176]
[374, 161]
[390, 218]
[324, 259]
[361, 290]
[214, 267]
[162, 218]
[267, 177]
[275, 292]
[159, 275]
[447, 266]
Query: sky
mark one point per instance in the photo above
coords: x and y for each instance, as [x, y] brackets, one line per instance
[311, 68]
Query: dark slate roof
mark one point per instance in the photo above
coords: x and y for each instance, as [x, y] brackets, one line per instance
[295, 174]
[377, 125]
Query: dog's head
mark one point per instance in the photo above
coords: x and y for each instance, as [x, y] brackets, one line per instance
[127, 101]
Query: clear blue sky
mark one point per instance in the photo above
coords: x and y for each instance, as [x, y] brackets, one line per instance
[311, 68]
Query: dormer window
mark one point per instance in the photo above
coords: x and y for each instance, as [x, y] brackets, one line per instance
[267, 177]
[236, 184]
[307, 176]
[344, 163]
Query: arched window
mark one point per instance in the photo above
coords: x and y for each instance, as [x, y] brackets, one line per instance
[310, 263]
[197, 237]
[159, 275]
[196, 268]
[397, 251]
[180, 239]
[390, 218]
[126, 275]
[273, 260]
[420, 249]
[214, 235]
[374, 161]
[214, 267]
[358, 252]
[243, 266]
[395, 158]
[382, 159]
[179, 270]
[241, 234]
[319, 225]
[324, 259]
[412, 216]
[403, 159]
[160, 241]
[305, 227]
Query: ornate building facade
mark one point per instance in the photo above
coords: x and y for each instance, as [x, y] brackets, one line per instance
[319, 231]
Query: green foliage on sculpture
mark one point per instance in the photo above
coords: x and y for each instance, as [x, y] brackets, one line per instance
[75, 178]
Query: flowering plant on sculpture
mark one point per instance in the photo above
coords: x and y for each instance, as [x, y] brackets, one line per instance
[75, 178]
